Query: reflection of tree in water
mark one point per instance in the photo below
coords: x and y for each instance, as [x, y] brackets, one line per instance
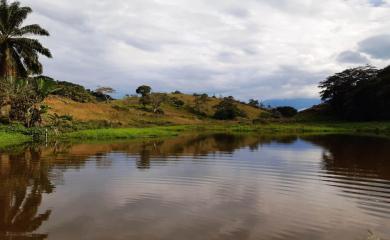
[355, 156]
[360, 161]
[144, 158]
[23, 181]
[199, 145]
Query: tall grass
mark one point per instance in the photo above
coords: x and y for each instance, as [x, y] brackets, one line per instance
[9, 139]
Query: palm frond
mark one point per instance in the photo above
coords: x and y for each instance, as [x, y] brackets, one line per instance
[17, 15]
[19, 55]
[31, 29]
[34, 44]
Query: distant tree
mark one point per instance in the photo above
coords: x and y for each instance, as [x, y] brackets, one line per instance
[105, 91]
[287, 111]
[228, 110]
[19, 54]
[177, 92]
[254, 103]
[143, 90]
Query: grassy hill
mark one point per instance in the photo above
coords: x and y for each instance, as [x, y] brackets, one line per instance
[128, 111]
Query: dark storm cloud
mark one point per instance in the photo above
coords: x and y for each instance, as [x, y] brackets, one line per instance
[376, 46]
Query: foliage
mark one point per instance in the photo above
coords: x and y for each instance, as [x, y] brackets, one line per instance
[105, 92]
[156, 100]
[19, 55]
[60, 122]
[287, 111]
[74, 91]
[177, 102]
[25, 97]
[228, 110]
[199, 103]
[254, 103]
[144, 91]
[361, 93]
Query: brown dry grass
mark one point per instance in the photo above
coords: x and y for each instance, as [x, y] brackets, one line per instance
[128, 112]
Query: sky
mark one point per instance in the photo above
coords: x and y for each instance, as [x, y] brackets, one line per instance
[261, 49]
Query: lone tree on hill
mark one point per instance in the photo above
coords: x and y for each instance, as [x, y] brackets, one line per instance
[254, 103]
[144, 91]
[105, 91]
[19, 55]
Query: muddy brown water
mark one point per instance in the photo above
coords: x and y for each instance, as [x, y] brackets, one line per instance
[207, 186]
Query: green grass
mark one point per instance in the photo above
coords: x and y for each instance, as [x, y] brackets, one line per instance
[9, 139]
[364, 128]
[374, 128]
[14, 137]
[125, 133]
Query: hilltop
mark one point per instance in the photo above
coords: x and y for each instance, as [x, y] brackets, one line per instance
[129, 112]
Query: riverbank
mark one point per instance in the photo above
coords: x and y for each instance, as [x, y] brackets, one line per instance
[374, 128]
[367, 128]
[9, 139]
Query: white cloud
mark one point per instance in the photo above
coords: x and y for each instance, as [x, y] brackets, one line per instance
[228, 47]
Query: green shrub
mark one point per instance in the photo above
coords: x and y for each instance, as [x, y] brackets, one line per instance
[287, 111]
[228, 110]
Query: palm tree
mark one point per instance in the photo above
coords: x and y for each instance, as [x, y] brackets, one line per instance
[19, 55]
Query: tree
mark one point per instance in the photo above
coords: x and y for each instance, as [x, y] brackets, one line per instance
[337, 89]
[254, 103]
[228, 110]
[25, 97]
[144, 91]
[287, 111]
[19, 55]
[156, 100]
[105, 91]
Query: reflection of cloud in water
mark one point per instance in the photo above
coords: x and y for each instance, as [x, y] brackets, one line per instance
[205, 187]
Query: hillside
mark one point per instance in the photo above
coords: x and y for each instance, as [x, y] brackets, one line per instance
[128, 111]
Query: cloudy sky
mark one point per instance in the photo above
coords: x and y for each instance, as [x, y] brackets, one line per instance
[247, 48]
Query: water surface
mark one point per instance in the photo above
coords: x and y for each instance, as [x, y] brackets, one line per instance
[198, 187]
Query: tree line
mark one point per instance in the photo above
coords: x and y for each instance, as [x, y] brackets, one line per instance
[22, 87]
[361, 93]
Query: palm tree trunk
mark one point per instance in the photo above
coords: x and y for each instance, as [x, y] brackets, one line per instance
[8, 68]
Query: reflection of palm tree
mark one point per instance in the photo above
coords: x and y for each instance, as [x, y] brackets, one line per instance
[23, 183]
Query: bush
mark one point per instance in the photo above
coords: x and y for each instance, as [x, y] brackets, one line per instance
[287, 111]
[74, 91]
[176, 102]
[228, 110]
